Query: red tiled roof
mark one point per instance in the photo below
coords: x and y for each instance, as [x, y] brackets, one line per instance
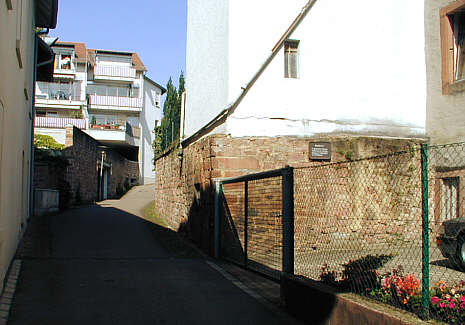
[81, 52]
[79, 49]
[136, 61]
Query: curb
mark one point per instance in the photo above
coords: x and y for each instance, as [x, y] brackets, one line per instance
[6, 298]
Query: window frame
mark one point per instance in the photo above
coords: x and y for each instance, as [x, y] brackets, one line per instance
[287, 65]
[440, 184]
[449, 84]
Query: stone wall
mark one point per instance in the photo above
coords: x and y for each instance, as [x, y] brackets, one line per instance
[82, 152]
[184, 185]
[78, 182]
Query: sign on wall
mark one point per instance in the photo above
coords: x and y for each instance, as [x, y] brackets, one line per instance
[320, 150]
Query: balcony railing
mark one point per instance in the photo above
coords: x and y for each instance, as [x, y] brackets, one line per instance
[57, 91]
[109, 125]
[113, 101]
[114, 71]
[58, 122]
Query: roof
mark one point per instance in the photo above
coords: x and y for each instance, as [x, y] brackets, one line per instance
[84, 54]
[79, 49]
[46, 12]
[45, 58]
[163, 89]
[136, 61]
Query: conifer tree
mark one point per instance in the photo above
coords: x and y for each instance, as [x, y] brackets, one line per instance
[168, 130]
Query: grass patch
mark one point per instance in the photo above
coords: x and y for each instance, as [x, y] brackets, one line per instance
[149, 213]
[171, 240]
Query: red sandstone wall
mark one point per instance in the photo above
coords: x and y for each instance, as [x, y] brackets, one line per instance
[177, 197]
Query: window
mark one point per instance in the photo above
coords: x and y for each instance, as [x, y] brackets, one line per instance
[291, 59]
[64, 61]
[449, 198]
[453, 47]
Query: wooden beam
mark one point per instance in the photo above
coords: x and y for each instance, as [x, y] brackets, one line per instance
[452, 7]
[447, 53]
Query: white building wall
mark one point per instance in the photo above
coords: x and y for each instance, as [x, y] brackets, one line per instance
[15, 126]
[206, 61]
[150, 113]
[445, 118]
[359, 72]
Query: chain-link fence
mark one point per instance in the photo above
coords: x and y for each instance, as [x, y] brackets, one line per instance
[388, 227]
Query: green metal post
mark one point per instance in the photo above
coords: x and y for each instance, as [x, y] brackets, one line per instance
[288, 220]
[425, 231]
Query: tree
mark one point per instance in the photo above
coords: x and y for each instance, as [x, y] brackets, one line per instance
[167, 132]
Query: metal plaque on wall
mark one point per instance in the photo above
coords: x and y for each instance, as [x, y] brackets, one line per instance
[320, 150]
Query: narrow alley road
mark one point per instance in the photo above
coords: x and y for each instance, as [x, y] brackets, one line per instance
[102, 264]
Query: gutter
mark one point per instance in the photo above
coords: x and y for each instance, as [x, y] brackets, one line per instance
[225, 113]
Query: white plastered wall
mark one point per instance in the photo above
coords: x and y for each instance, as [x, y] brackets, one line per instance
[15, 133]
[206, 62]
[359, 73]
[150, 113]
[362, 68]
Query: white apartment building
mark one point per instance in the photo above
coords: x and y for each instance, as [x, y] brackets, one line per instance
[106, 94]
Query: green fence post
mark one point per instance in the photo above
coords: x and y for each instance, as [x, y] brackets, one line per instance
[425, 231]
[218, 211]
[288, 220]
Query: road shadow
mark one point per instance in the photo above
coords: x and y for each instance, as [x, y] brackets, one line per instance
[96, 231]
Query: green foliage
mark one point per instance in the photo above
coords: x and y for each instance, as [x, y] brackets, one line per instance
[76, 114]
[93, 120]
[167, 132]
[43, 141]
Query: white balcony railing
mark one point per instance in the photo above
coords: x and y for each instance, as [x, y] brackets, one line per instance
[58, 122]
[114, 71]
[58, 91]
[113, 101]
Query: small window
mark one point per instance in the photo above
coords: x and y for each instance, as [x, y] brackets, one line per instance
[291, 59]
[453, 47]
[450, 198]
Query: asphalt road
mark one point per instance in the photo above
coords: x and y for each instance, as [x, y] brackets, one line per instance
[102, 264]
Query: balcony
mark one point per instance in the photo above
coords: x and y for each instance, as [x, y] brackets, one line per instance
[115, 133]
[58, 122]
[114, 73]
[115, 103]
[58, 95]
[64, 73]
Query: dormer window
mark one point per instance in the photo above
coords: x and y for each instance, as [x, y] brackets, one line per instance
[64, 61]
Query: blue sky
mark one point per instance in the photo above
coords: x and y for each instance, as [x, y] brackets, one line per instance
[155, 29]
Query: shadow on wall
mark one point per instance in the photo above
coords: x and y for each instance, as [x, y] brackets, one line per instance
[199, 225]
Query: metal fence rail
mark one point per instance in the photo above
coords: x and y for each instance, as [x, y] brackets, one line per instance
[391, 227]
[252, 217]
